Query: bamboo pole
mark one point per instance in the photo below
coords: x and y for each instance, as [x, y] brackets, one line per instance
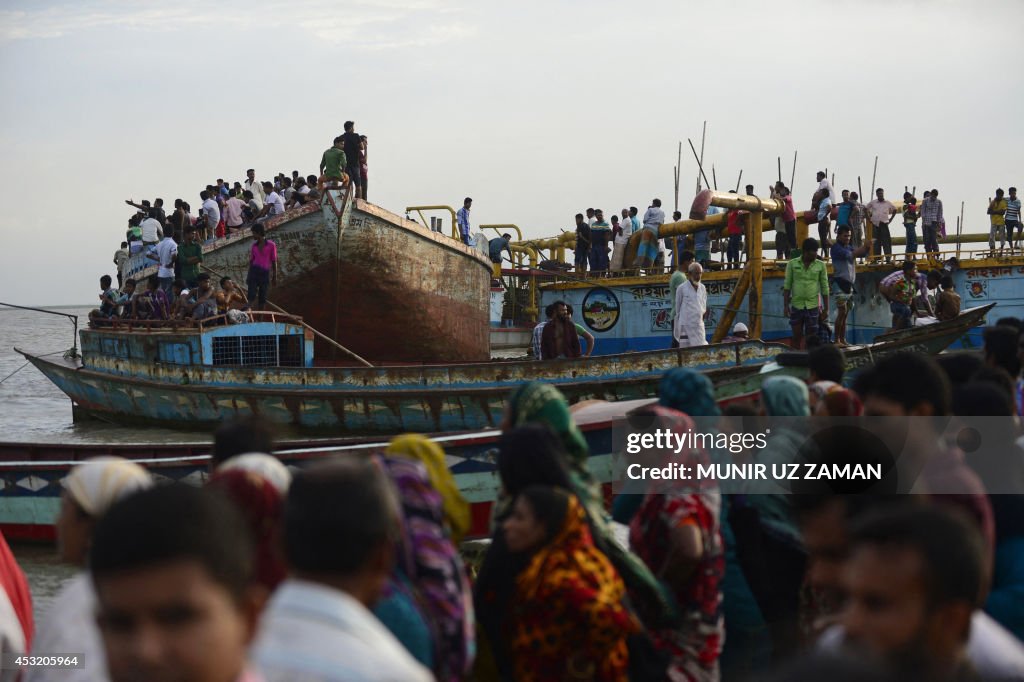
[703, 135]
[675, 173]
[714, 177]
[739, 179]
[874, 175]
[699, 165]
[958, 230]
[860, 190]
[792, 176]
[779, 159]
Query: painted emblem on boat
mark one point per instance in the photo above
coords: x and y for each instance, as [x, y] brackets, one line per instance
[661, 320]
[977, 289]
[600, 309]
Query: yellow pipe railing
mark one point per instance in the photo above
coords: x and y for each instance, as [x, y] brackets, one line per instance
[439, 207]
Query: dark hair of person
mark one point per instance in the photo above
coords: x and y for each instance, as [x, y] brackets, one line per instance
[531, 455]
[170, 523]
[240, 436]
[908, 379]
[1001, 347]
[983, 398]
[687, 256]
[258, 230]
[946, 281]
[339, 138]
[810, 244]
[549, 310]
[909, 265]
[959, 367]
[951, 548]
[179, 284]
[579, 216]
[467, 200]
[549, 505]
[153, 282]
[337, 515]
[130, 281]
[844, 228]
[854, 196]
[827, 362]
[105, 281]
[203, 277]
[657, 202]
[247, 194]
[204, 195]
[223, 280]
[349, 125]
[1009, 322]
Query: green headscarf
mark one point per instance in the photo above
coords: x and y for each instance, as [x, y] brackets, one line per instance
[543, 403]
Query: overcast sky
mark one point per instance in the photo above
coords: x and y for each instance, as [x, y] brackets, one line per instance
[535, 109]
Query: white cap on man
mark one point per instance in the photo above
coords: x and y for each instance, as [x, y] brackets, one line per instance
[739, 328]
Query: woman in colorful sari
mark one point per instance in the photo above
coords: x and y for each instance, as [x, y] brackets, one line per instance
[568, 620]
[748, 647]
[534, 403]
[429, 575]
[677, 533]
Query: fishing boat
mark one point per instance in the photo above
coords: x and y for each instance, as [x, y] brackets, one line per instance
[33, 475]
[196, 375]
[383, 286]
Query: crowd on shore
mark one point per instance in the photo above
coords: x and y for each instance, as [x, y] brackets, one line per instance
[349, 569]
[597, 234]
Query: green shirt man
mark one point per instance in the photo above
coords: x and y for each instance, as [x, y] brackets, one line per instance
[334, 160]
[805, 287]
[190, 255]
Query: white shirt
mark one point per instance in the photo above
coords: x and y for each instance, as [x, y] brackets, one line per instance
[995, 653]
[150, 230]
[276, 203]
[303, 190]
[69, 625]
[256, 187]
[627, 229]
[691, 304]
[826, 185]
[212, 212]
[314, 633]
[165, 251]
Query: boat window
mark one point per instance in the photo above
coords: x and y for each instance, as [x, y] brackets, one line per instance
[259, 351]
[175, 353]
[115, 347]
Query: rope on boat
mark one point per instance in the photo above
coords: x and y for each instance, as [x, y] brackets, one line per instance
[72, 352]
[66, 354]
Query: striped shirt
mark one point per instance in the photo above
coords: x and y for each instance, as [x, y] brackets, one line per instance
[931, 211]
[1012, 210]
[538, 333]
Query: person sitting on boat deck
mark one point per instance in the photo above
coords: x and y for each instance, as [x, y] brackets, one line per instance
[462, 220]
[318, 624]
[538, 331]
[134, 234]
[253, 206]
[262, 267]
[947, 303]
[124, 298]
[600, 234]
[180, 300]
[647, 250]
[333, 163]
[581, 251]
[997, 215]
[559, 339]
[152, 232]
[804, 291]
[230, 297]
[108, 300]
[691, 306]
[494, 250]
[233, 209]
[166, 254]
[582, 332]
[900, 288]
[151, 304]
[880, 212]
[205, 304]
[924, 304]
[739, 334]
[172, 567]
[314, 192]
[844, 268]
[272, 206]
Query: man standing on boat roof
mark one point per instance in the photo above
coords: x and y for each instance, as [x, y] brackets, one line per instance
[931, 221]
[251, 185]
[1012, 217]
[997, 213]
[600, 231]
[804, 292]
[647, 251]
[825, 186]
[691, 307]
[353, 146]
[844, 265]
[880, 213]
[462, 218]
[581, 251]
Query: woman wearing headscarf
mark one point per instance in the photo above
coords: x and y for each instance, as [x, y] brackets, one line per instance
[677, 534]
[69, 625]
[768, 538]
[535, 402]
[747, 649]
[568, 620]
[429, 574]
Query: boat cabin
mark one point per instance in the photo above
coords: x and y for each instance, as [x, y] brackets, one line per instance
[265, 339]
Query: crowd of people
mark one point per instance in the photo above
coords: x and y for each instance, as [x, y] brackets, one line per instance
[179, 290]
[596, 236]
[350, 569]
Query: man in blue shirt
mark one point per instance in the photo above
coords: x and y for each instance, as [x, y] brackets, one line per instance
[843, 212]
[844, 267]
[462, 218]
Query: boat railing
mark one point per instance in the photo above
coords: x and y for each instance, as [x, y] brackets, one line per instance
[130, 325]
[439, 207]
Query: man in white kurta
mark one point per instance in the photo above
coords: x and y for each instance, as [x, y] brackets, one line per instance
[691, 307]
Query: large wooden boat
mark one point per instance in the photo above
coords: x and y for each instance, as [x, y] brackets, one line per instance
[383, 286]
